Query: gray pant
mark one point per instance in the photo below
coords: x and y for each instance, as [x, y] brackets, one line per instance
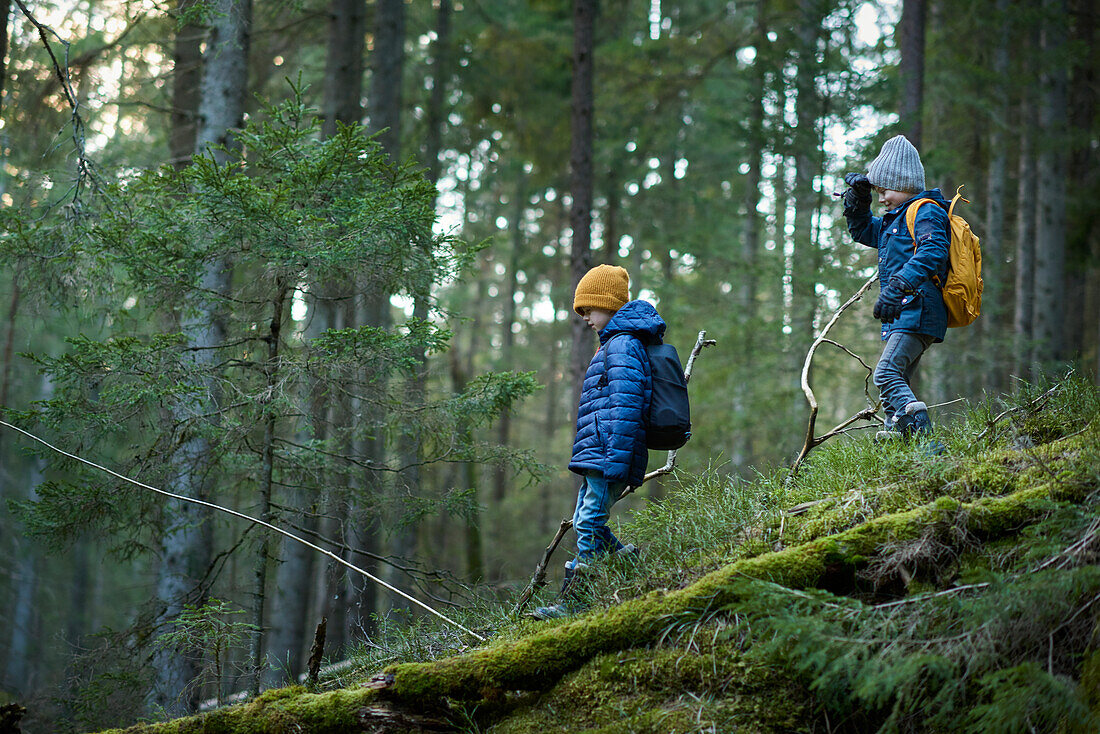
[895, 369]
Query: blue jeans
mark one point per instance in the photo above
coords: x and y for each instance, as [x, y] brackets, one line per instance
[895, 369]
[594, 502]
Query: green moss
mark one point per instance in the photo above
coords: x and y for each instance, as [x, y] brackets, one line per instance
[278, 711]
[665, 690]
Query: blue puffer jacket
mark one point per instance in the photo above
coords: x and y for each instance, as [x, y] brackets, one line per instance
[610, 426]
[922, 312]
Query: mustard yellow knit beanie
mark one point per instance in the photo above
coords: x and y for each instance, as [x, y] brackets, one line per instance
[604, 286]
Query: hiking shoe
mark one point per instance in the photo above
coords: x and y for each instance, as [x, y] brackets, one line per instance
[889, 430]
[913, 420]
[887, 435]
[915, 423]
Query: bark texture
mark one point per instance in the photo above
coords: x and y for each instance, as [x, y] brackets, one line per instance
[911, 104]
[1050, 234]
[580, 176]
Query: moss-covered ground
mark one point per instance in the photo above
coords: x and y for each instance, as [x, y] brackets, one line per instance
[910, 592]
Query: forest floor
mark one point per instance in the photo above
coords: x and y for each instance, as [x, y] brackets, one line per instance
[881, 589]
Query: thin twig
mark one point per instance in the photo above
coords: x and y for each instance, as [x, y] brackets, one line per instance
[254, 520]
[83, 167]
[922, 597]
[1019, 408]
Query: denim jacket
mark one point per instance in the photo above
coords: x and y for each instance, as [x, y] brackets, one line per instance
[922, 311]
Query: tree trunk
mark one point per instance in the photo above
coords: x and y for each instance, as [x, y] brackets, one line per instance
[384, 118]
[288, 620]
[267, 477]
[335, 592]
[186, 81]
[461, 369]
[580, 176]
[1023, 334]
[185, 544]
[741, 449]
[508, 338]
[1050, 240]
[225, 76]
[806, 259]
[789, 394]
[991, 325]
[22, 611]
[344, 64]
[387, 64]
[1084, 176]
[356, 596]
[7, 366]
[441, 74]
[611, 216]
[911, 70]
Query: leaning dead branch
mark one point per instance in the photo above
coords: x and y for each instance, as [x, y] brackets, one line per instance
[538, 579]
[249, 518]
[812, 441]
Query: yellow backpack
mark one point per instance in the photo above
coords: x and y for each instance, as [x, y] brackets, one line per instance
[962, 291]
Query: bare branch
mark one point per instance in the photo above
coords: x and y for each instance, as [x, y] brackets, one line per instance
[83, 166]
[811, 441]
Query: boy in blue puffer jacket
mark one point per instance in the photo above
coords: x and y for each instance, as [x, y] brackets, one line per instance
[609, 449]
[910, 304]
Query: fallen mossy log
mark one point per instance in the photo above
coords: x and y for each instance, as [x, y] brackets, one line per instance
[538, 661]
[294, 709]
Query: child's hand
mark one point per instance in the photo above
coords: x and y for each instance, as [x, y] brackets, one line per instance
[888, 306]
[859, 182]
[858, 195]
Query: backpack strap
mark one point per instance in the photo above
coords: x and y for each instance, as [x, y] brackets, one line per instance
[911, 218]
[603, 349]
[911, 212]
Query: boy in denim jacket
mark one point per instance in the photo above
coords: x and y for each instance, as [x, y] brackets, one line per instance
[609, 449]
[910, 304]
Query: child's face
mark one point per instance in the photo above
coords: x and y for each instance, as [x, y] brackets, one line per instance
[596, 318]
[890, 198]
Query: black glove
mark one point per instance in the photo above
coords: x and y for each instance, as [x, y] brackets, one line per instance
[888, 306]
[858, 195]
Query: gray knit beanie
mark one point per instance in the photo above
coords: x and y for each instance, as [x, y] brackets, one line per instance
[897, 167]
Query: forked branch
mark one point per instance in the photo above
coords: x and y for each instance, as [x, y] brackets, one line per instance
[812, 441]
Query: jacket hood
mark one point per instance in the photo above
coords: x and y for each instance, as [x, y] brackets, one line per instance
[639, 318]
